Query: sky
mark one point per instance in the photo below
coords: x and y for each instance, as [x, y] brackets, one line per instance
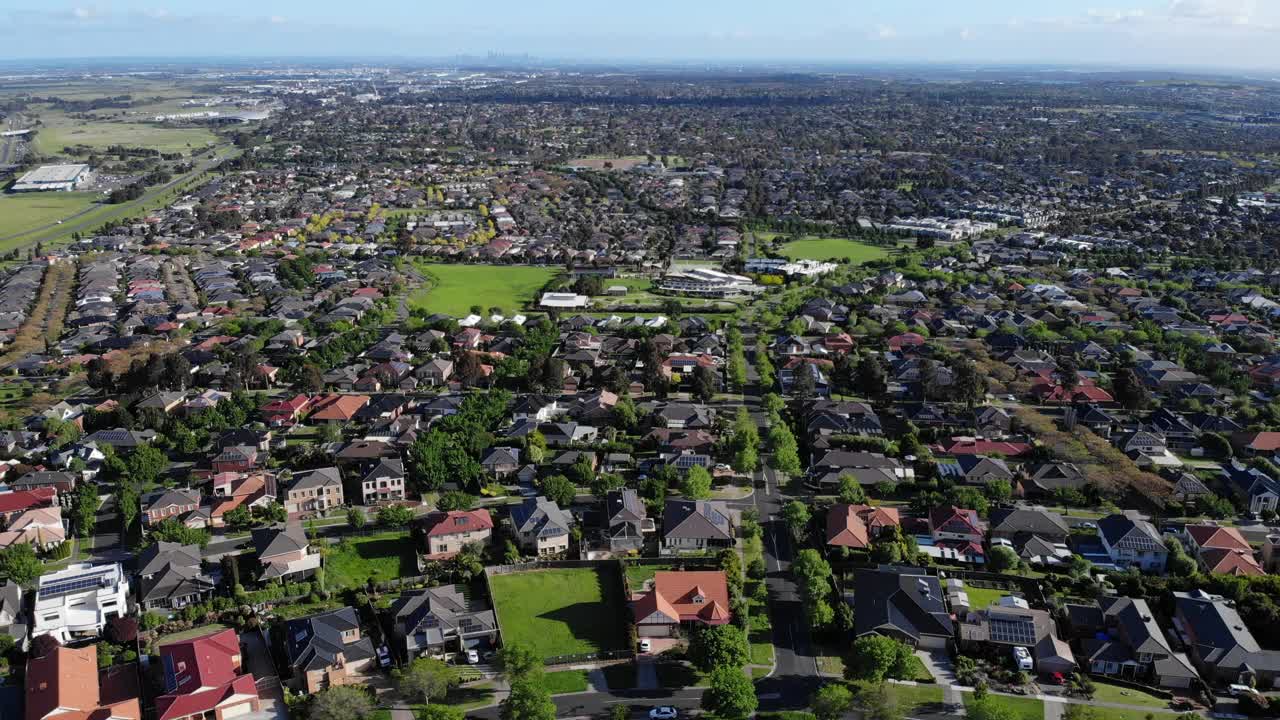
[1208, 34]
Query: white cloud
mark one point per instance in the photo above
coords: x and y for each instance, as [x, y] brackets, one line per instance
[278, 20]
[885, 32]
[82, 13]
[966, 34]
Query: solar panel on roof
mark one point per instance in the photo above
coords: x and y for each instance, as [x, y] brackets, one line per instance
[1017, 632]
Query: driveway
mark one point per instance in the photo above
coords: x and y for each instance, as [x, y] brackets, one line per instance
[939, 665]
[257, 657]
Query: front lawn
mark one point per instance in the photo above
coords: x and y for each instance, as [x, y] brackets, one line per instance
[910, 697]
[1022, 708]
[455, 288]
[638, 575]
[1106, 692]
[918, 672]
[565, 681]
[382, 557]
[565, 611]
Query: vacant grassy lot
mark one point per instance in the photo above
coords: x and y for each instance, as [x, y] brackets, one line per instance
[455, 288]
[562, 611]
[59, 131]
[565, 681]
[383, 556]
[1022, 708]
[23, 212]
[815, 248]
[910, 697]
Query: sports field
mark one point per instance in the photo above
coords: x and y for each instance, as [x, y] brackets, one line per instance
[27, 211]
[815, 248]
[453, 289]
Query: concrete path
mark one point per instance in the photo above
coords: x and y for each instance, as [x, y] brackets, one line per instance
[1054, 707]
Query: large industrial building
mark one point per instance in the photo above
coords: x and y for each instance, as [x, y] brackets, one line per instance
[52, 177]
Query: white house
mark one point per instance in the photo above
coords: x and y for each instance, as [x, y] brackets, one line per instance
[78, 602]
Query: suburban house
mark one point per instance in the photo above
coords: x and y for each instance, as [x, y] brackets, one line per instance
[1132, 541]
[1012, 623]
[204, 679]
[975, 469]
[696, 526]
[1258, 489]
[384, 483]
[856, 526]
[1118, 636]
[170, 576]
[446, 533]
[1222, 550]
[284, 552]
[957, 534]
[541, 527]
[1220, 645]
[336, 409]
[1038, 536]
[66, 683]
[164, 504]
[327, 650]
[627, 520]
[902, 603]
[41, 528]
[76, 603]
[236, 459]
[314, 491]
[680, 598]
[501, 462]
[442, 620]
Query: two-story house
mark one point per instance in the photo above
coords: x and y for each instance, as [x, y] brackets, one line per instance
[284, 552]
[1118, 636]
[327, 650]
[1131, 541]
[446, 533]
[541, 528]
[168, 503]
[442, 620]
[314, 491]
[627, 520]
[204, 679]
[76, 603]
[384, 483]
[170, 576]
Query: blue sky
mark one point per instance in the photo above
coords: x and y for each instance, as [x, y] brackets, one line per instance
[1186, 33]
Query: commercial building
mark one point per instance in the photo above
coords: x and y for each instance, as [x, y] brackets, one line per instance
[53, 177]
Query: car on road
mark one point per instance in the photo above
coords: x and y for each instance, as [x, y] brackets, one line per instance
[1088, 526]
[663, 712]
[645, 645]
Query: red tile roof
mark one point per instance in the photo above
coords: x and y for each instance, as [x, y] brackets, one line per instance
[1212, 536]
[676, 594]
[26, 499]
[457, 521]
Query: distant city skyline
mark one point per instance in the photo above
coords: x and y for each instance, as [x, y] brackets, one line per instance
[1210, 34]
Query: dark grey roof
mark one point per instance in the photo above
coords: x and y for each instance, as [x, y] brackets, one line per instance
[901, 599]
[313, 643]
[155, 558]
[316, 479]
[542, 516]
[1221, 637]
[696, 519]
[1121, 530]
[273, 541]
[428, 617]
[1008, 521]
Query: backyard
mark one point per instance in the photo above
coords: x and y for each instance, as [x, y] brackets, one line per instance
[384, 556]
[982, 597]
[566, 611]
[453, 289]
[1106, 692]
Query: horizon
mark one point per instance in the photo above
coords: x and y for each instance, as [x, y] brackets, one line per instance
[1182, 35]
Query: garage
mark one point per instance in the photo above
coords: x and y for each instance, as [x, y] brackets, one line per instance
[243, 708]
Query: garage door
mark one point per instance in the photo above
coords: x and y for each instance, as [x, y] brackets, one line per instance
[236, 710]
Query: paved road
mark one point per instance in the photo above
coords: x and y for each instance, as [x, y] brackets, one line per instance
[597, 704]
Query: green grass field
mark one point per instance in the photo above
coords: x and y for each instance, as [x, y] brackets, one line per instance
[638, 575]
[910, 697]
[1106, 692]
[814, 248]
[24, 212]
[565, 681]
[455, 288]
[982, 597]
[1022, 708]
[58, 131]
[560, 612]
[382, 556]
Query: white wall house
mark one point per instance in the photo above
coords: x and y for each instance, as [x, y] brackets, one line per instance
[79, 601]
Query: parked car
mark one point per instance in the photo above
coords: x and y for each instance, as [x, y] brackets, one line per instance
[1241, 690]
[663, 712]
[1022, 658]
[473, 657]
[645, 645]
[384, 656]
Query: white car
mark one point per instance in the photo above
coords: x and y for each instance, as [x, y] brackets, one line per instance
[1241, 690]
[473, 657]
[645, 645]
[663, 712]
[1022, 658]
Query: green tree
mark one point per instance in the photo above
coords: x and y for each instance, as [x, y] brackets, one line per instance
[20, 564]
[714, 646]
[441, 712]
[696, 484]
[704, 383]
[528, 700]
[559, 490]
[851, 491]
[730, 694]
[625, 415]
[1002, 559]
[356, 518]
[172, 530]
[425, 679]
[797, 516]
[394, 516]
[455, 500]
[989, 709]
[84, 509]
[146, 464]
[518, 661]
[876, 657]
[344, 702]
[238, 518]
[831, 701]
